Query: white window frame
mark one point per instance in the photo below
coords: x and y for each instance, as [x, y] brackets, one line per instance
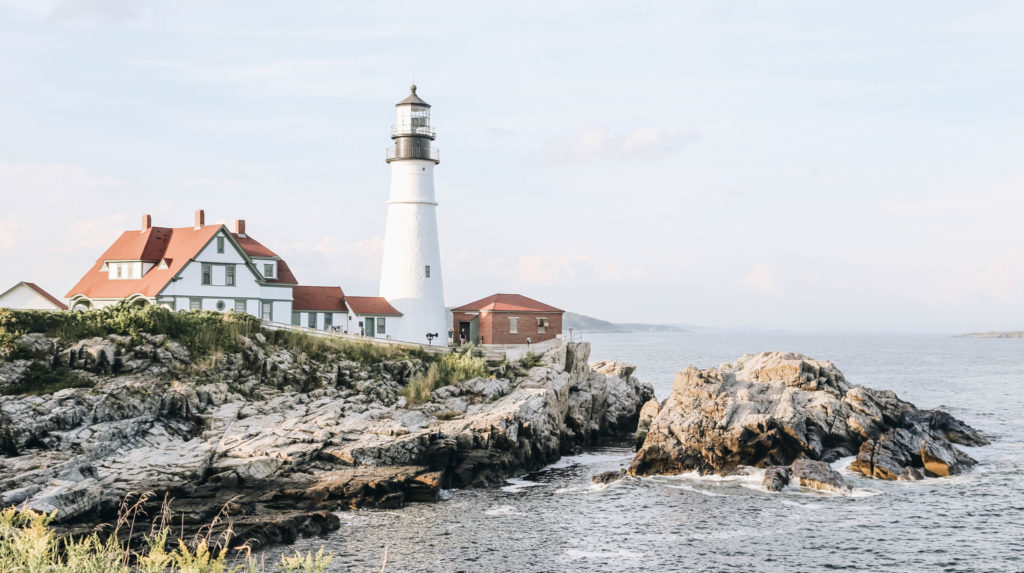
[269, 270]
[195, 303]
[240, 305]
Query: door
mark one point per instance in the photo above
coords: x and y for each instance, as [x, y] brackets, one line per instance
[371, 328]
[463, 335]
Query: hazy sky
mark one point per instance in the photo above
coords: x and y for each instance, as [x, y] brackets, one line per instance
[799, 165]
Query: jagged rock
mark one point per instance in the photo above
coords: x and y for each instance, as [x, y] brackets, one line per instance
[605, 478]
[647, 415]
[771, 409]
[819, 475]
[270, 432]
[776, 478]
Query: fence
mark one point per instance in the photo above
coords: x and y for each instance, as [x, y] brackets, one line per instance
[436, 349]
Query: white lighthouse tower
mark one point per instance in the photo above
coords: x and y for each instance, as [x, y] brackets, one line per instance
[411, 270]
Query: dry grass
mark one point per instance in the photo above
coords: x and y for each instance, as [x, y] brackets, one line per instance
[29, 545]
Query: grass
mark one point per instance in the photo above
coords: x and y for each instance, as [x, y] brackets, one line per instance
[29, 545]
[38, 379]
[203, 333]
[452, 368]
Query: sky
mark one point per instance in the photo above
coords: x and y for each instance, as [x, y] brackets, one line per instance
[809, 166]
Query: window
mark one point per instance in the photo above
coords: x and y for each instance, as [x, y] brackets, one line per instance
[513, 325]
[428, 271]
[328, 320]
[268, 311]
[220, 244]
[120, 270]
[207, 274]
[268, 270]
[297, 319]
[380, 325]
[239, 305]
[221, 305]
[229, 275]
[195, 303]
[542, 325]
[311, 320]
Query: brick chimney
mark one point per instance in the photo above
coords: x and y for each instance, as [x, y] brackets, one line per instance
[147, 222]
[200, 218]
[240, 227]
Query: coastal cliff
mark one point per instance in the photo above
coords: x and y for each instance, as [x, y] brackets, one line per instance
[278, 437]
[794, 415]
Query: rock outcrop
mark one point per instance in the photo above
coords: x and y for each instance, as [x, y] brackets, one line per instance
[773, 409]
[277, 438]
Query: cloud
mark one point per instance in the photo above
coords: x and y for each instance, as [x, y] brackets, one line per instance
[8, 236]
[604, 144]
[107, 11]
[761, 279]
[95, 233]
[548, 270]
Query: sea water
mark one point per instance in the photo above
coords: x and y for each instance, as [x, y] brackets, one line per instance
[555, 520]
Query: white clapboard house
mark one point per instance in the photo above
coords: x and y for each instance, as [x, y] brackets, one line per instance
[211, 267]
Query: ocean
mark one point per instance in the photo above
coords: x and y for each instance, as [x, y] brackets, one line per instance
[554, 520]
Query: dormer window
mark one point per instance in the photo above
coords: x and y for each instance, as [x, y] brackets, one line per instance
[268, 270]
[120, 271]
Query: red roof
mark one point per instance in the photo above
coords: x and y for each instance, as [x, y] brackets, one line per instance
[56, 301]
[175, 246]
[366, 305]
[318, 298]
[252, 247]
[507, 303]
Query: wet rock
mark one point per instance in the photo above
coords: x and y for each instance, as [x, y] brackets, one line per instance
[776, 478]
[771, 409]
[605, 478]
[820, 476]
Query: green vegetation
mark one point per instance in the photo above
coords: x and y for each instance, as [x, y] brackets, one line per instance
[452, 368]
[202, 332]
[29, 545]
[39, 380]
[529, 360]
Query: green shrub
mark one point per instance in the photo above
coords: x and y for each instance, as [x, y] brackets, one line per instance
[9, 333]
[38, 380]
[529, 360]
[452, 368]
[202, 332]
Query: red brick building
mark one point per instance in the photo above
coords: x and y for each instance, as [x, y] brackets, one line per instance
[506, 319]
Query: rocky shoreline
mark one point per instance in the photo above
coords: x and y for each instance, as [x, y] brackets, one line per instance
[274, 440]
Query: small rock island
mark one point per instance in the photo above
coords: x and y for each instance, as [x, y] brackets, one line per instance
[794, 416]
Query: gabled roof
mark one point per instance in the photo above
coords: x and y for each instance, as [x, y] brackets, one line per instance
[56, 301]
[367, 305]
[507, 303]
[174, 246]
[254, 248]
[318, 298]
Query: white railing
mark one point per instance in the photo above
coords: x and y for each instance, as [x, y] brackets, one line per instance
[438, 349]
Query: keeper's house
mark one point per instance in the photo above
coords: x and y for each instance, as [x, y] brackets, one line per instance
[506, 319]
[210, 267]
[29, 296]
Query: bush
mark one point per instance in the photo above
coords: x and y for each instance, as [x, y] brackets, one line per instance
[38, 380]
[202, 332]
[452, 368]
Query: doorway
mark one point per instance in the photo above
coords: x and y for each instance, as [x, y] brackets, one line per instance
[370, 326]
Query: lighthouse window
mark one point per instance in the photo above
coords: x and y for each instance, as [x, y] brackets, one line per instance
[428, 271]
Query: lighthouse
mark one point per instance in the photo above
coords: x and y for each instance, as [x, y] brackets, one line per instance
[411, 268]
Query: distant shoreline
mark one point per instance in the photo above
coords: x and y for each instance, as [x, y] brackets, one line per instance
[995, 334]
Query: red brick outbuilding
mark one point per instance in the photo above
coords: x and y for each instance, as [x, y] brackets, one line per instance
[506, 319]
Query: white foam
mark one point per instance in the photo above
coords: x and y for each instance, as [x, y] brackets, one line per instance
[587, 459]
[502, 510]
[695, 490]
[519, 484]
